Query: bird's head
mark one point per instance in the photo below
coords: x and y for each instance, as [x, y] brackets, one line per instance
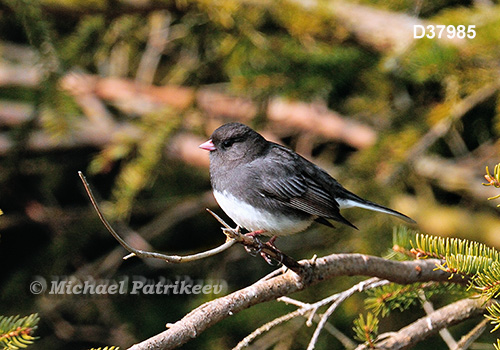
[235, 141]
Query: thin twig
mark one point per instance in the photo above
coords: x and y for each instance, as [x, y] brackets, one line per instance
[465, 342]
[274, 273]
[309, 309]
[288, 300]
[142, 253]
[444, 333]
[233, 236]
[347, 342]
[368, 284]
[266, 327]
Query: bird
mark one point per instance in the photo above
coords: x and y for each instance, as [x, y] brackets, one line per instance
[270, 190]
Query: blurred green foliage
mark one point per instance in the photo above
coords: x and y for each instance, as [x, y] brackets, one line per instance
[254, 49]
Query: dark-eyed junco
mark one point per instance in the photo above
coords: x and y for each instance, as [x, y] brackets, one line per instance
[268, 188]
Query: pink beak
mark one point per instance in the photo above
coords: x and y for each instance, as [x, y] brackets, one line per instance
[209, 146]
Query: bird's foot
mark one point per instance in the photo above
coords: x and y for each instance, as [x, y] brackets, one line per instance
[267, 259]
[253, 251]
[255, 235]
[271, 242]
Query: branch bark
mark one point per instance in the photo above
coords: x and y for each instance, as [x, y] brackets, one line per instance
[429, 325]
[313, 272]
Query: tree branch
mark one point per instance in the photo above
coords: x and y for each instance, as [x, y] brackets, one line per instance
[471, 337]
[313, 272]
[431, 324]
[444, 332]
[381, 30]
[304, 274]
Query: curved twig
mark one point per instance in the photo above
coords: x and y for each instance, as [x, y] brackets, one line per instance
[471, 337]
[142, 253]
[364, 285]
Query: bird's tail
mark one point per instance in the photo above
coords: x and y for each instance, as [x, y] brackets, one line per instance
[354, 201]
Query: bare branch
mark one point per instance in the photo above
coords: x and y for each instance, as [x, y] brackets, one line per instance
[309, 309]
[327, 123]
[382, 30]
[444, 333]
[371, 283]
[320, 120]
[470, 337]
[19, 74]
[133, 97]
[313, 271]
[268, 326]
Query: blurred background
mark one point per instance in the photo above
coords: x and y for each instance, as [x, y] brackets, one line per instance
[126, 90]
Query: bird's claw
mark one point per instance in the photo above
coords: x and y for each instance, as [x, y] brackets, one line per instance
[268, 259]
[252, 250]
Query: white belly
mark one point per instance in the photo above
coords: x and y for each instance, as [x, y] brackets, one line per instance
[254, 219]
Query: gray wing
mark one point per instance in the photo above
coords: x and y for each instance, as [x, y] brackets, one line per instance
[292, 184]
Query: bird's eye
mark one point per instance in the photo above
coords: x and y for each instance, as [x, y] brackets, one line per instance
[230, 142]
[227, 143]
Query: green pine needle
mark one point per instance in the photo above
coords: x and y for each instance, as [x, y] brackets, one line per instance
[494, 316]
[16, 332]
[439, 247]
[366, 330]
[493, 180]
[472, 259]
[393, 296]
[401, 244]
[488, 281]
